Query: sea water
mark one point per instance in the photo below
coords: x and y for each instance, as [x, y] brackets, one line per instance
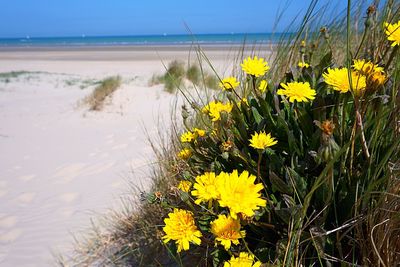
[140, 40]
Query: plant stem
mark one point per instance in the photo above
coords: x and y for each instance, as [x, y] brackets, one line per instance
[259, 166]
[363, 141]
[352, 138]
[362, 41]
[234, 91]
[391, 57]
[253, 79]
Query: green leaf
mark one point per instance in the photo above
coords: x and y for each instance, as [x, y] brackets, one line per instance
[325, 62]
[225, 155]
[219, 256]
[300, 182]
[284, 215]
[256, 114]
[279, 184]
[288, 77]
[204, 222]
[184, 196]
[151, 198]
[264, 254]
[186, 175]
[266, 110]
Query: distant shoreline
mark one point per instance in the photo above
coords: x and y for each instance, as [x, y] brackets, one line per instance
[128, 53]
[145, 42]
[136, 48]
[166, 47]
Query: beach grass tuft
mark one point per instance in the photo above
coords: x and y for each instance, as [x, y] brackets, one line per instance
[7, 77]
[83, 83]
[101, 92]
[13, 74]
[211, 81]
[193, 74]
[176, 74]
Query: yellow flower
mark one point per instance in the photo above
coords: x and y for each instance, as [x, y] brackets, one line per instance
[255, 66]
[378, 78]
[227, 230]
[214, 109]
[366, 67]
[297, 91]
[199, 132]
[339, 80]
[303, 65]
[188, 137]
[393, 32]
[227, 145]
[184, 186]
[263, 86]
[243, 101]
[244, 260]
[185, 153]
[205, 188]
[375, 75]
[226, 107]
[262, 140]
[180, 227]
[229, 83]
[239, 193]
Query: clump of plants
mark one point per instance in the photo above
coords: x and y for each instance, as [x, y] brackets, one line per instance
[295, 162]
[83, 83]
[7, 77]
[101, 92]
[177, 73]
[293, 173]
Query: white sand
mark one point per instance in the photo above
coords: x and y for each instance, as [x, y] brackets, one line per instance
[59, 163]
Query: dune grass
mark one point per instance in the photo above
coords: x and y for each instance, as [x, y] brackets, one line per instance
[8, 77]
[13, 74]
[331, 182]
[83, 83]
[176, 74]
[104, 90]
[193, 74]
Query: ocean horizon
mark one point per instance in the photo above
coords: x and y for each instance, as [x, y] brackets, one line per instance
[145, 40]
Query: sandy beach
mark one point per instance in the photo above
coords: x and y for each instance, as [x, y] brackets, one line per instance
[61, 164]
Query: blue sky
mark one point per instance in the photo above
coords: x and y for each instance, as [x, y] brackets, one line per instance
[43, 18]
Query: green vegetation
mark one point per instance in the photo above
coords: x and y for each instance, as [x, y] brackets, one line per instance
[193, 74]
[211, 81]
[176, 73]
[14, 74]
[298, 165]
[174, 76]
[82, 83]
[104, 90]
[7, 77]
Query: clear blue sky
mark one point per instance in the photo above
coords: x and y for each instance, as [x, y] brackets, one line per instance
[19, 18]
